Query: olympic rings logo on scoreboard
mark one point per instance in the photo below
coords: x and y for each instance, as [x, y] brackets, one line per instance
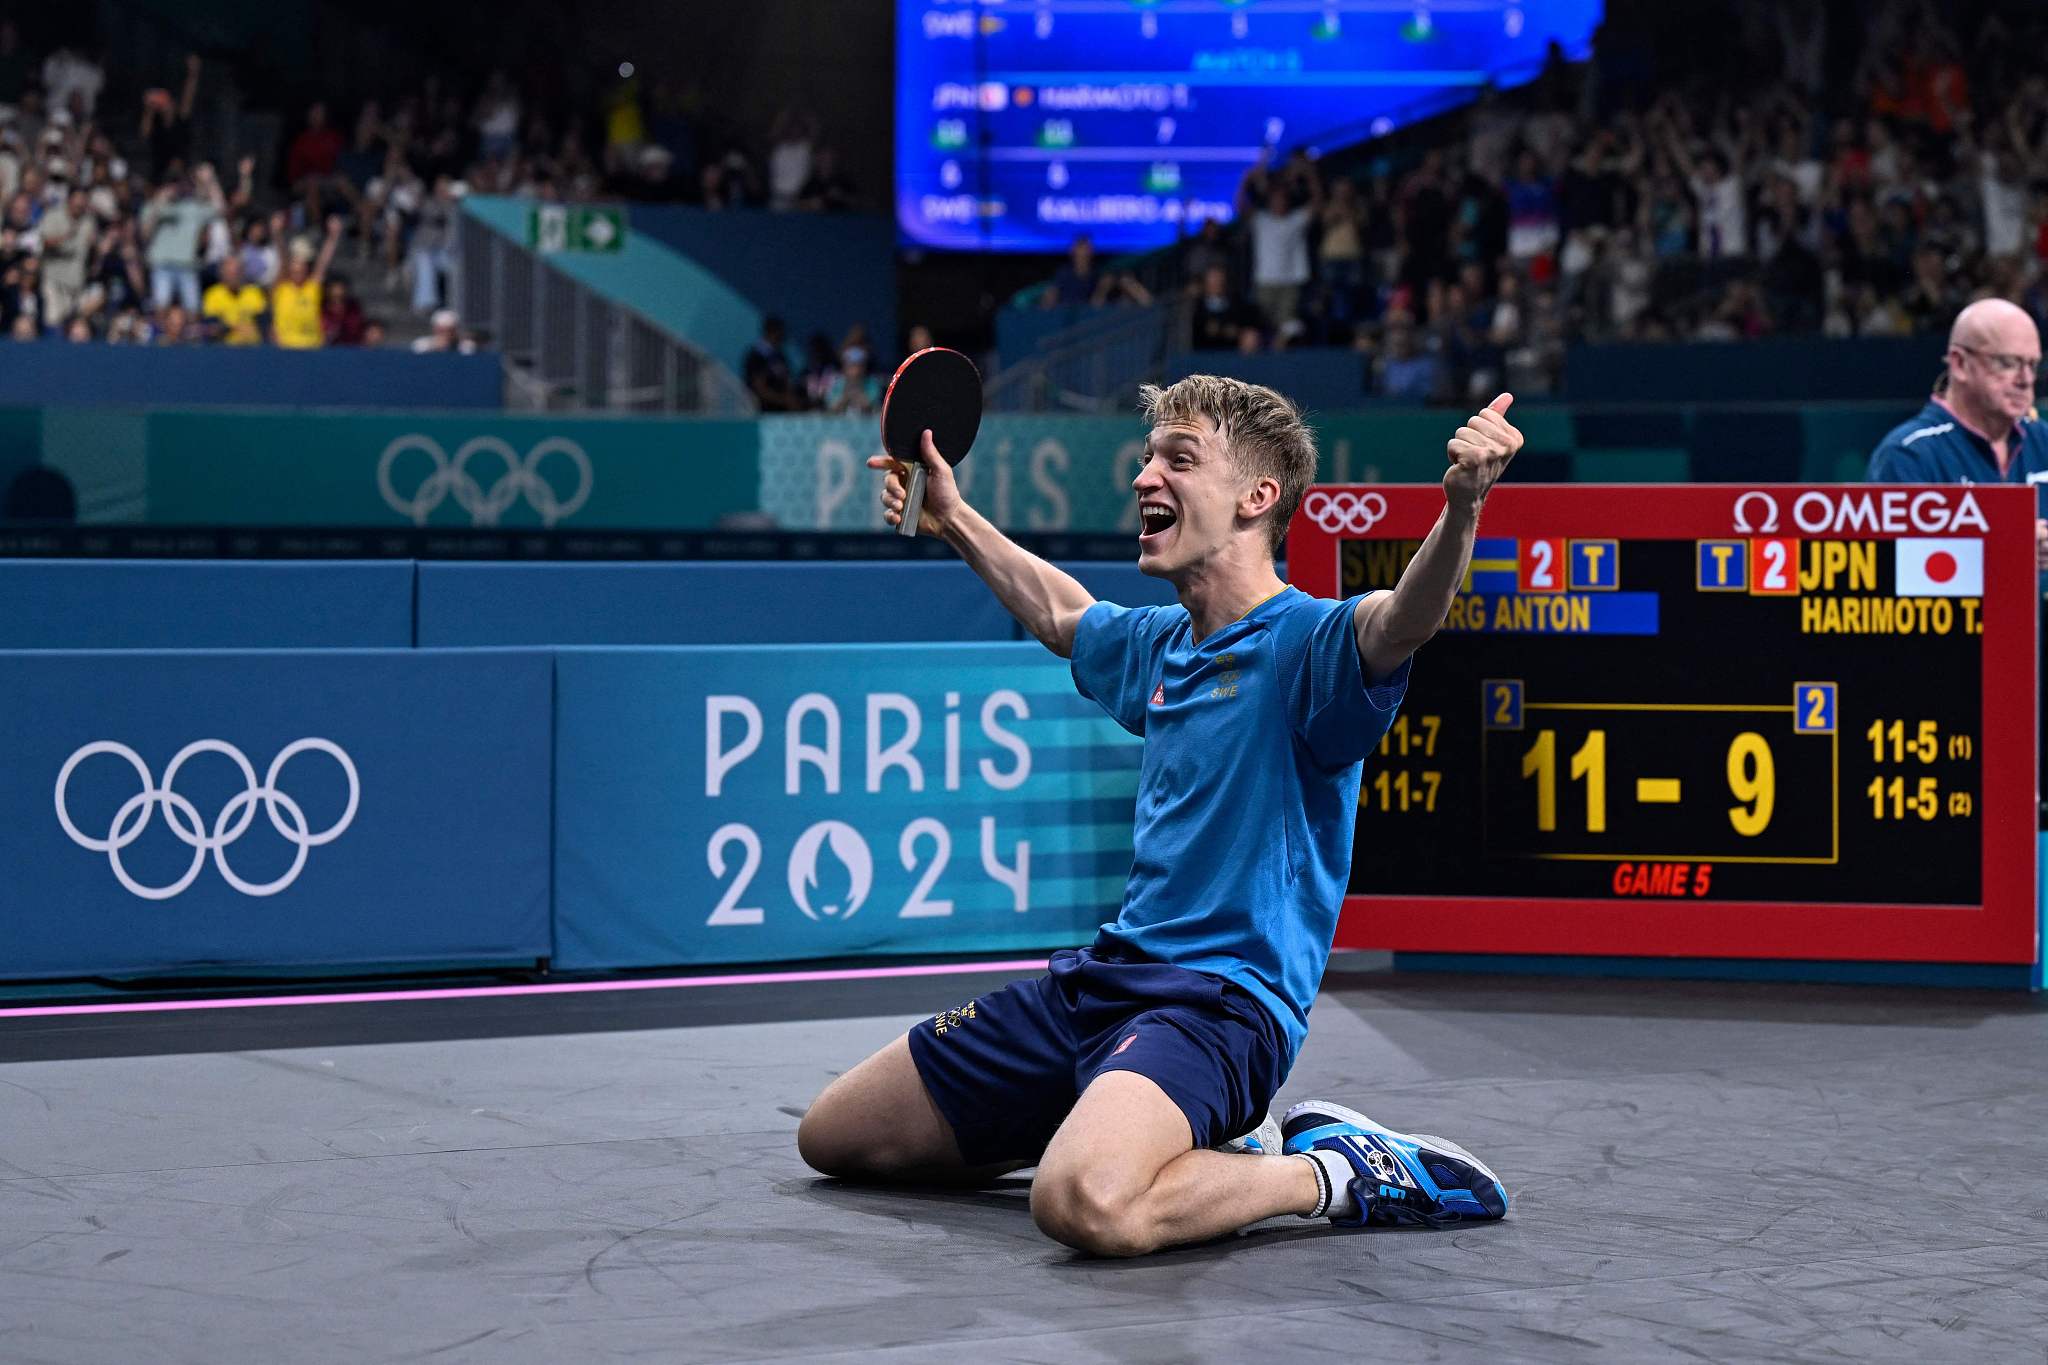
[182, 817]
[1344, 511]
[451, 478]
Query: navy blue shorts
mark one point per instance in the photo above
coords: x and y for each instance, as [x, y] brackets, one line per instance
[1005, 1069]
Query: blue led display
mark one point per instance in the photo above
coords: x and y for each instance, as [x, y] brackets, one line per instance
[1021, 123]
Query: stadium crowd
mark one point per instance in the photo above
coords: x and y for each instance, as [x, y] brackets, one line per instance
[115, 227]
[1601, 207]
[115, 230]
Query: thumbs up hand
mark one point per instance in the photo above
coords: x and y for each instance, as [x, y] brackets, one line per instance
[1479, 454]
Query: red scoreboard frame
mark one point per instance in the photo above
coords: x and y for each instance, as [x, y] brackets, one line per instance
[2004, 928]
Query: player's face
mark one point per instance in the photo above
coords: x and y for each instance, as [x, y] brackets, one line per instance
[1188, 491]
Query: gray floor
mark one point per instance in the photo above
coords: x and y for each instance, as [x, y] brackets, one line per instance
[1709, 1172]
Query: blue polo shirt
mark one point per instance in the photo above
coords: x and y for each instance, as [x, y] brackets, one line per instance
[1248, 790]
[1935, 448]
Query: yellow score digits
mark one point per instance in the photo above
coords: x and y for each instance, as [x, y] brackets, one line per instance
[1922, 798]
[1397, 792]
[1752, 781]
[1401, 790]
[1923, 741]
[1401, 739]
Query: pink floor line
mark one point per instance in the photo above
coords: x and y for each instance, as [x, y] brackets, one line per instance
[549, 988]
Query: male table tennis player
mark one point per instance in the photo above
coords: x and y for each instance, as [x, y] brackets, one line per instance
[1136, 1075]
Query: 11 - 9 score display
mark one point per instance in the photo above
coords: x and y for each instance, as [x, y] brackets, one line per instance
[1653, 724]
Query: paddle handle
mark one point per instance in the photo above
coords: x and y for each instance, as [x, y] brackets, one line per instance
[913, 500]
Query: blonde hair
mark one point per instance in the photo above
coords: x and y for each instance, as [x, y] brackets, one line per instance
[1262, 430]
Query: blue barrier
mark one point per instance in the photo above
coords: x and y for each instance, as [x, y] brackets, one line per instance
[822, 272]
[1019, 331]
[1804, 369]
[204, 604]
[21, 447]
[390, 806]
[248, 376]
[2038, 977]
[1317, 378]
[211, 604]
[1122, 584]
[748, 805]
[730, 604]
[697, 604]
[179, 810]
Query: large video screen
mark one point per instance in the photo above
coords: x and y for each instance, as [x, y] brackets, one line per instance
[1022, 123]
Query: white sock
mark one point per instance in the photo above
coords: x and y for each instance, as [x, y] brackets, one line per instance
[1336, 1178]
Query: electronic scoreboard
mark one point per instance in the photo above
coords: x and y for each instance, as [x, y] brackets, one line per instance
[1703, 721]
[1022, 123]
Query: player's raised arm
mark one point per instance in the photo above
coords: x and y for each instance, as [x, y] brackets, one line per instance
[1047, 602]
[1391, 626]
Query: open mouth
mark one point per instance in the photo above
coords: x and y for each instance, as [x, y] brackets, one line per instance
[1153, 522]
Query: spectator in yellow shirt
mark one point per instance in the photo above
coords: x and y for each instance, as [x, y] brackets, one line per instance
[295, 299]
[236, 306]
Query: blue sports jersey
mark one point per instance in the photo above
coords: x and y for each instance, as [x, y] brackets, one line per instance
[1249, 786]
[1935, 448]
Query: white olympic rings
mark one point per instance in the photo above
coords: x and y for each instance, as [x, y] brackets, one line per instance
[182, 816]
[1344, 511]
[451, 478]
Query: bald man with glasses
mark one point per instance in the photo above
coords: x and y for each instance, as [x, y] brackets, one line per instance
[1979, 424]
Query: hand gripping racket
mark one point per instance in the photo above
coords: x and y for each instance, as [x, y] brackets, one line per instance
[937, 390]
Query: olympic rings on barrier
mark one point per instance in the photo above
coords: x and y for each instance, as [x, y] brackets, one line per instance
[451, 478]
[286, 816]
[1353, 512]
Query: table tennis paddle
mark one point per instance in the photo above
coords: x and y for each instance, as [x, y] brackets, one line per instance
[936, 390]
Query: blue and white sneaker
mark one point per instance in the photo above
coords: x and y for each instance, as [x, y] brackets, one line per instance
[1264, 1139]
[1398, 1180]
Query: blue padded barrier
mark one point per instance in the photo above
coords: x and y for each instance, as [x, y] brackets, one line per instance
[1318, 378]
[199, 811]
[249, 376]
[1815, 369]
[1121, 584]
[308, 808]
[705, 604]
[205, 604]
[752, 805]
[236, 604]
[821, 272]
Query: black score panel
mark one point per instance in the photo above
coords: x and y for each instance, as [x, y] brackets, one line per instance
[1732, 752]
[1703, 721]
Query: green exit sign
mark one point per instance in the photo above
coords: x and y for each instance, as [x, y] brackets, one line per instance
[583, 227]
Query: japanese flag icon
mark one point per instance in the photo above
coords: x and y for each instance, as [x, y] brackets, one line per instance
[1939, 568]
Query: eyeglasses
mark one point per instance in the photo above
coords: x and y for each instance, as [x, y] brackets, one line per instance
[2002, 363]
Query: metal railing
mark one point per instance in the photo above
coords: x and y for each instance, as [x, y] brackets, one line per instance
[566, 348]
[1097, 364]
